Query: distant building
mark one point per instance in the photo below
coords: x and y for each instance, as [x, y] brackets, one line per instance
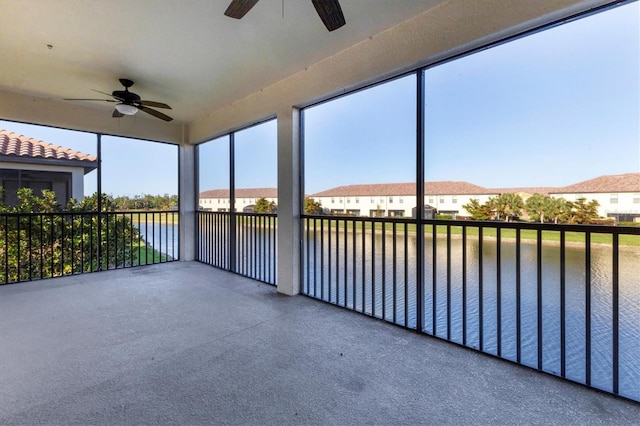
[35, 164]
[618, 195]
[217, 200]
[399, 199]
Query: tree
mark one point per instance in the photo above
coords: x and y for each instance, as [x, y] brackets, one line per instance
[581, 211]
[556, 208]
[45, 241]
[312, 206]
[536, 207]
[264, 206]
[478, 211]
[507, 206]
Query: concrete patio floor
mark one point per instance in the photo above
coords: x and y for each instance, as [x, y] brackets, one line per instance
[183, 343]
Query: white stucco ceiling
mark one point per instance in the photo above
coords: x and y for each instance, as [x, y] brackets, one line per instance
[185, 53]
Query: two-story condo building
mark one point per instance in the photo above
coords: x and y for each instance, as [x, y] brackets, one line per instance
[217, 200]
[399, 199]
[618, 195]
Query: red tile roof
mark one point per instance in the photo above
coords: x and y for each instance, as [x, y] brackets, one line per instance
[628, 182]
[19, 146]
[382, 189]
[241, 193]
[542, 190]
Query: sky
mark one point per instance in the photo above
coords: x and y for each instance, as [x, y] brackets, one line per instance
[550, 109]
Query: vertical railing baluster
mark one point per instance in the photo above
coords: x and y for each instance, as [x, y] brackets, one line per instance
[105, 241]
[615, 315]
[61, 244]
[406, 273]
[315, 258]
[383, 297]
[364, 262]
[52, 225]
[30, 218]
[337, 262]
[480, 288]
[563, 303]
[322, 259]
[434, 279]
[345, 255]
[539, 295]
[41, 246]
[354, 265]
[307, 228]
[6, 249]
[448, 228]
[19, 251]
[394, 302]
[464, 285]
[518, 299]
[373, 268]
[499, 291]
[329, 250]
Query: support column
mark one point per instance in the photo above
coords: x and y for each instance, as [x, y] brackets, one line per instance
[288, 278]
[188, 192]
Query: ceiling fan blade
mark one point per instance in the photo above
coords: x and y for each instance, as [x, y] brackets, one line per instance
[155, 113]
[117, 114]
[104, 93]
[103, 100]
[155, 104]
[330, 12]
[238, 8]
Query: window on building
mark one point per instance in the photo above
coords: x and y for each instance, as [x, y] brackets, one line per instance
[454, 199]
[636, 198]
[390, 200]
[373, 200]
[432, 200]
[381, 200]
[400, 200]
[333, 200]
[441, 200]
[348, 200]
[357, 200]
[613, 199]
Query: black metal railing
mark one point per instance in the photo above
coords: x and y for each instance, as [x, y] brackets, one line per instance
[46, 245]
[244, 243]
[563, 299]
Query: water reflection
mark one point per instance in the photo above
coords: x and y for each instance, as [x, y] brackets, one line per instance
[377, 275]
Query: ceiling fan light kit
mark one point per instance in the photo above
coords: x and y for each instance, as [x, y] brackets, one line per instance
[128, 103]
[126, 109]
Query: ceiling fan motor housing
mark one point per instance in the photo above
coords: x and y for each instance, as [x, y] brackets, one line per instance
[125, 96]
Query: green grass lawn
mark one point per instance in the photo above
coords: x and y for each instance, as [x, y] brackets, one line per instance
[525, 234]
[148, 255]
[142, 217]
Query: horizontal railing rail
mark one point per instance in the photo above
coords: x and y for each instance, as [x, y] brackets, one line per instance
[562, 299]
[243, 243]
[46, 245]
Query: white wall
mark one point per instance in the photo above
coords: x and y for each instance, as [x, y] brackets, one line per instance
[449, 202]
[628, 202]
[216, 204]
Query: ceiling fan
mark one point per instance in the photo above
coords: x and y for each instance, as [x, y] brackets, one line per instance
[329, 11]
[128, 103]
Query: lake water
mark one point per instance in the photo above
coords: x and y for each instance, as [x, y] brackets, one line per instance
[162, 237]
[381, 289]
